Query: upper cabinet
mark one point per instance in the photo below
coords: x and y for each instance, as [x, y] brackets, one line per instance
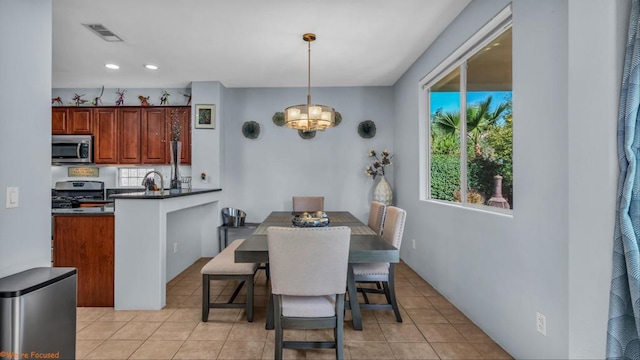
[71, 121]
[129, 135]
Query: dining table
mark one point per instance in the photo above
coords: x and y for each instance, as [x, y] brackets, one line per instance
[366, 246]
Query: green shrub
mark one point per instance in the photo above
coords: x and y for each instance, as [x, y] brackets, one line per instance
[445, 176]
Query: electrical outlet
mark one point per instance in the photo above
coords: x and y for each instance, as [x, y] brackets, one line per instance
[175, 247]
[413, 244]
[541, 324]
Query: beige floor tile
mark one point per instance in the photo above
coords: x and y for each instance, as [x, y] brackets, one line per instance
[223, 315]
[154, 315]
[326, 354]
[182, 290]
[418, 281]
[174, 301]
[268, 352]
[491, 350]
[455, 350]
[82, 324]
[90, 313]
[83, 347]
[173, 331]
[242, 350]
[428, 316]
[118, 315]
[427, 291]
[472, 333]
[418, 350]
[294, 335]
[185, 315]
[414, 302]
[402, 332]
[452, 314]
[389, 316]
[114, 349]
[368, 316]
[369, 332]
[193, 301]
[136, 330]
[369, 350]
[407, 291]
[259, 315]
[156, 349]
[439, 301]
[248, 332]
[318, 335]
[440, 333]
[211, 331]
[100, 330]
[198, 350]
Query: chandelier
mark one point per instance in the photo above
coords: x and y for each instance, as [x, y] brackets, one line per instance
[309, 117]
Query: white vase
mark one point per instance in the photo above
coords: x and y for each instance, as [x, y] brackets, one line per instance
[382, 193]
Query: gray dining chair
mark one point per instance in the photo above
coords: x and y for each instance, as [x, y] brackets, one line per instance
[308, 277]
[383, 272]
[377, 213]
[308, 203]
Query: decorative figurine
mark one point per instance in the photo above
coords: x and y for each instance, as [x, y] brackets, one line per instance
[144, 101]
[78, 99]
[120, 100]
[164, 99]
[98, 100]
[57, 101]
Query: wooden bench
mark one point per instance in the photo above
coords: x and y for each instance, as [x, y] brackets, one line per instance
[224, 267]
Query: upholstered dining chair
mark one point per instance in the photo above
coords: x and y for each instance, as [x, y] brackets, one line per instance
[377, 212]
[308, 203]
[308, 277]
[383, 272]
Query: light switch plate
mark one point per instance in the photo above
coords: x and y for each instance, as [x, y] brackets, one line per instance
[12, 197]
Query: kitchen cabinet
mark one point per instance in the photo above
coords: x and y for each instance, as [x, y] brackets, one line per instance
[183, 115]
[87, 243]
[105, 136]
[154, 136]
[130, 135]
[71, 121]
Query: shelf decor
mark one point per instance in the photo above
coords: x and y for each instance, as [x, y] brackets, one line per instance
[205, 116]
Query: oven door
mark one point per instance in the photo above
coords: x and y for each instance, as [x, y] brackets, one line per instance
[71, 149]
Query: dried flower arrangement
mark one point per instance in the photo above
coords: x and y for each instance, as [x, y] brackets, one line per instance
[176, 125]
[377, 168]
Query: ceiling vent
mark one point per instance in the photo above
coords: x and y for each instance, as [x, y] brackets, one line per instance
[103, 32]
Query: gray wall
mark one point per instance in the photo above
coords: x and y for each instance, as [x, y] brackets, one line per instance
[25, 125]
[500, 270]
[262, 175]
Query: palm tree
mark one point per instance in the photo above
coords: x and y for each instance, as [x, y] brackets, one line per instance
[480, 119]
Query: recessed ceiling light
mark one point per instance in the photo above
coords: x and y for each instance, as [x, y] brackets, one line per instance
[151, 66]
[112, 66]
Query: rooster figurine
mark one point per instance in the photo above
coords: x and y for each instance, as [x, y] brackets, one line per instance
[144, 101]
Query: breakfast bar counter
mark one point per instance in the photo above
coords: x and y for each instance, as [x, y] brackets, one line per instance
[157, 236]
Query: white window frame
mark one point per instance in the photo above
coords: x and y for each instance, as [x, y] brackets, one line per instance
[494, 28]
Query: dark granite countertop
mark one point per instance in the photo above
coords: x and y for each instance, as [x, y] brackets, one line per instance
[86, 211]
[162, 194]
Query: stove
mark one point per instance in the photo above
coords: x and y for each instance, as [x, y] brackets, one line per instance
[72, 194]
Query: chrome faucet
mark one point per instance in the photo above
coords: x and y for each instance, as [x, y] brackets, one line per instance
[147, 175]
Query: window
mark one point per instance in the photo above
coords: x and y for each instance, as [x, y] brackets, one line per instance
[467, 133]
[132, 176]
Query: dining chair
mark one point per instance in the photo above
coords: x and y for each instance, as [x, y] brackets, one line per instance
[308, 203]
[383, 272]
[308, 276]
[377, 213]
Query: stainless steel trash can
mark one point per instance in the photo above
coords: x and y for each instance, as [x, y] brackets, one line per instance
[38, 314]
[233, 217]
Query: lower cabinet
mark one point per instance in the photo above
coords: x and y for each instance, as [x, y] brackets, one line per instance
[87, 243]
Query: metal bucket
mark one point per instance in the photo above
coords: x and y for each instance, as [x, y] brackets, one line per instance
[233, 217]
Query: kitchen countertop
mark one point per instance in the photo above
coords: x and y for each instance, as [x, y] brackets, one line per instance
[162, 194]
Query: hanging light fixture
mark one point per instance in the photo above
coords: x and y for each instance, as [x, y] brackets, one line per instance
[309, 117]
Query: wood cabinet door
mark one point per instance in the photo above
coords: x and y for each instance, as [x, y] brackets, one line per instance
[87, 243]
[105, 136]
[184, 116]
[154, 136]
[59, 121]
[130, 127]
[79, 121]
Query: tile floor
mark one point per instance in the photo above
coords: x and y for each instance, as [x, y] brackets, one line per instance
[432, 328]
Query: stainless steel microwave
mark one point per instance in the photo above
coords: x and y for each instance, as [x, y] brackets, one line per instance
[71, 149]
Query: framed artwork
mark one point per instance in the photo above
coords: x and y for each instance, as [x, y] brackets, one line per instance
[205, 116]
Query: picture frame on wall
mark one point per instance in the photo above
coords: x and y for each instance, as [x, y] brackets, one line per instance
[205, 116]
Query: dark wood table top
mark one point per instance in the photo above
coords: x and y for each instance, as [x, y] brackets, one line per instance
[366, 246]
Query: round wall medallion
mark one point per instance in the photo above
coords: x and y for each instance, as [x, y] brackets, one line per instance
[251, 130]
[338, 118]
[278, 118]
[367, 129]
[307, 134]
